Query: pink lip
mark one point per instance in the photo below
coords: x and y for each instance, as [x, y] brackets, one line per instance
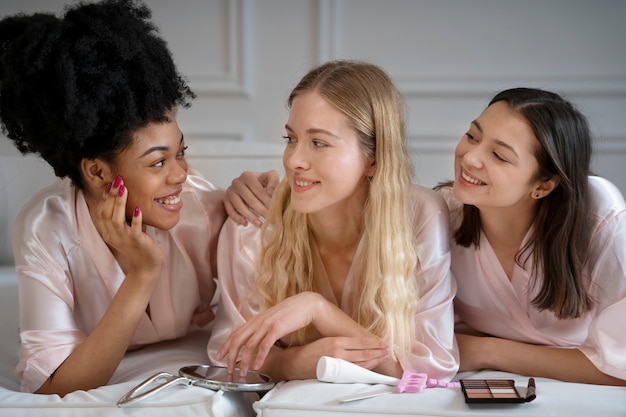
[466, 182]
[299, 188]
[174, 194]
[170, 207]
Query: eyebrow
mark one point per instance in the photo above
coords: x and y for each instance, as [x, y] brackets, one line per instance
[497, 141]
[316, 130]
[160, 148]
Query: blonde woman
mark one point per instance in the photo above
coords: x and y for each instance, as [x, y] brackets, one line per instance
[353, 260]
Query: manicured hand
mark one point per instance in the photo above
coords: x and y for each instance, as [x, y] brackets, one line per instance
[249, 196]
[126, 239]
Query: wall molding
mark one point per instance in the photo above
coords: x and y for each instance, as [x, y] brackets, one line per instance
[236, 81]
[425, 143]
[217, 134]
[217, 145]
[461, 87]
[330, 14]
[609, 145]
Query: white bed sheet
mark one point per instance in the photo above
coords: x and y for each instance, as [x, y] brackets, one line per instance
[312, 398]
[178, 401]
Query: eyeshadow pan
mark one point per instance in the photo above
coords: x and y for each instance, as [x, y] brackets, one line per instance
[478, 396]
[503, 391]
[495, 391]
[478, 390]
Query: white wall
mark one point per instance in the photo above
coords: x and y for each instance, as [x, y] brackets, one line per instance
[447, 56]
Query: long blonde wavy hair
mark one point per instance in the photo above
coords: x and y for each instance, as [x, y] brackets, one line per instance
[384, 268]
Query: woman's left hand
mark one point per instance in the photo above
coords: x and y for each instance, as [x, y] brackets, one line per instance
[300, 362]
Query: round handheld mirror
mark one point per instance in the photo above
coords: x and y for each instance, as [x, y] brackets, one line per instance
[217, 378]
[206, 376]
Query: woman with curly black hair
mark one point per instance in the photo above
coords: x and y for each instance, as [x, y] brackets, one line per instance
[107, 257]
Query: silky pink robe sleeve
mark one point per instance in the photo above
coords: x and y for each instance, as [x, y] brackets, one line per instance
[605, 344]
[434, 350]
[236, 253]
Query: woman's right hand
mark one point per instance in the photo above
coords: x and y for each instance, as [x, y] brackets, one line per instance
[138, 250]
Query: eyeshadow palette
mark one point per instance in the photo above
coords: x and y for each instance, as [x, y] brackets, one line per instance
[495, 391]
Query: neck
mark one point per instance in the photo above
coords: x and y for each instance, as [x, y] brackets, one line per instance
[335, 234]
[339, 225]
[506, 228]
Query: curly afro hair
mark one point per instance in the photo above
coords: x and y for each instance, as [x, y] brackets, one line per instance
[78, 86]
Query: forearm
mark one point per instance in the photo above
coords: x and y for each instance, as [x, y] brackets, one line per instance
[542, 361]
[92, 364]
[285, 365]
[331, 321]
[335, 323]
[390, 367]
[300, 362]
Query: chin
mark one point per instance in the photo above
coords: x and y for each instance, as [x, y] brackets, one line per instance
[299, 206]
[163, 225]
[459, 194]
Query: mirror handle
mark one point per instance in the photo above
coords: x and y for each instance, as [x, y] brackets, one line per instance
[135, 394]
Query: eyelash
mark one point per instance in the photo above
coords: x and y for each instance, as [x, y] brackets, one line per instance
[470, 137]
[316, 143]
[183, 151]
[179, 155]
[499, 158]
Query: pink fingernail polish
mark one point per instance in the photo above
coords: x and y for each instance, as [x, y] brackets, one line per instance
[137, 211]
[107, 188]
[117, 182]
[121, 191]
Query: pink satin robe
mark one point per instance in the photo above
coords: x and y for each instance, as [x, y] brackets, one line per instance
[68, 276]
[434, 350]
[488, 301]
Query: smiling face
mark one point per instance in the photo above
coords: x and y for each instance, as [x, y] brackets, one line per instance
[154, 168]
[495, 164]
[324, 162]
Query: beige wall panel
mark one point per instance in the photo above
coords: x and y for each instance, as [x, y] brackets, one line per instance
[448, 58]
